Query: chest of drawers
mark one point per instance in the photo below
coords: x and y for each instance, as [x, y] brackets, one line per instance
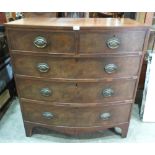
[76, 75]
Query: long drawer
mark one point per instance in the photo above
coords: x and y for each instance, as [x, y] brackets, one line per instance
[42, 41]
[76, 116]
[76, 92]
[111, 41]
[84, 68]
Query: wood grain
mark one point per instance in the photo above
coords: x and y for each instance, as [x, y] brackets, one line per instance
[76, 92]
[76, 75]
[88, 23]
[57, 42]
[74, 116]
[95, 42]
[76, 68]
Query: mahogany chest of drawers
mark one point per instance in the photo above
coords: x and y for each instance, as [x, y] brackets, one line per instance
[76, 75]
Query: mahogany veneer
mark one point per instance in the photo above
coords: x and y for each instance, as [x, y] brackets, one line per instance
[77, 75]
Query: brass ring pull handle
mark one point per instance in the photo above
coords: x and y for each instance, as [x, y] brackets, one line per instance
[110, 68]
[45, 92]
[40, 42]
[48, 115]
[43, 67]
[108, 92]
[105, 116]
[113, 43]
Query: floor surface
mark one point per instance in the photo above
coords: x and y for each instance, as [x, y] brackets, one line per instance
[12, 131]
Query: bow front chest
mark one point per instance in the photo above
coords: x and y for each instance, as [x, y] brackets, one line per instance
[76, 76]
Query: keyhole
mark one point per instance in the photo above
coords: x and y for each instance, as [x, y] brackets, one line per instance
[76, 85]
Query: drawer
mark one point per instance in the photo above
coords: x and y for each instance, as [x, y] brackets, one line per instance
[111, 41]
[42, 41]
[76, 92]
[76, 116]
[76, 68]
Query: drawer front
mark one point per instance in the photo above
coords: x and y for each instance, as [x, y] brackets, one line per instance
[84, 68]
[76, 92]
[41, 41]
[76, 116]
[111, 42]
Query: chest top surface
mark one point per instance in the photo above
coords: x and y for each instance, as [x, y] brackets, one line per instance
[69, 23]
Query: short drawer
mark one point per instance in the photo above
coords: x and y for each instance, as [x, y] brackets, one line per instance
[125, 41]
[76, 68]
[76, 116]
[76, 92]
[42, 41]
